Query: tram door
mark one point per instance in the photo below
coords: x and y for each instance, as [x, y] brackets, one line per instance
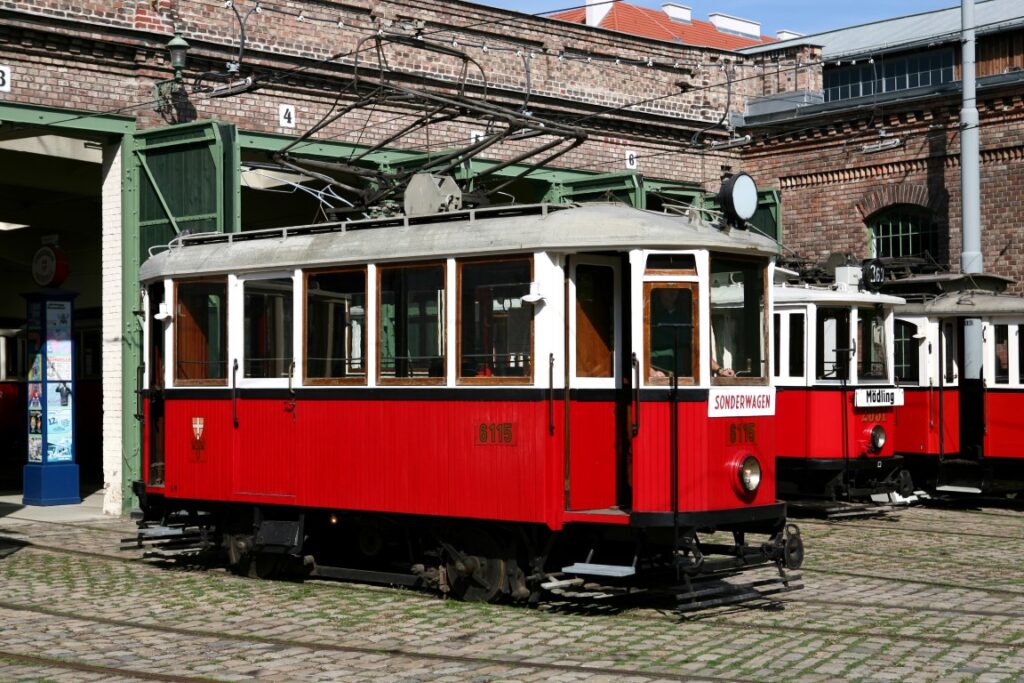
[597, 450]
[155, 394]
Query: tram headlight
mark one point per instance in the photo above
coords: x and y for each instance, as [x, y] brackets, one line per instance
[877, 437]
[750, 474]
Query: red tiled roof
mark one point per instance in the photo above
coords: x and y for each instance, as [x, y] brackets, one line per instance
[654, 23]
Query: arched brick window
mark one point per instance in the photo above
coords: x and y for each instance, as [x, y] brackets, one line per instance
[902, 230]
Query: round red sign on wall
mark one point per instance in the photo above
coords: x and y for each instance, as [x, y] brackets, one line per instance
[50, 266]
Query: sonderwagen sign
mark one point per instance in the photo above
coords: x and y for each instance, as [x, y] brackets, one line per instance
[878, 398]
[741, 401]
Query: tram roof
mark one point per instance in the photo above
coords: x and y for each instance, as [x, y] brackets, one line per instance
[505, 230]
[807, 294]
[967, 303]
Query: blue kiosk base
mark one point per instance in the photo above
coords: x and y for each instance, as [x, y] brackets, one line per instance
[51, 484]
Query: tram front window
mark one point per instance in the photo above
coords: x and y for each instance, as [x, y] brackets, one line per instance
[871, 352]
[737, 320]
[670, 332]
[833, 342]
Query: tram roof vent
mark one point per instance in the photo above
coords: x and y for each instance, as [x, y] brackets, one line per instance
[428, 194]
[848, 278]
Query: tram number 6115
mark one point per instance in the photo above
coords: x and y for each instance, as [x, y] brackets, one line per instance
[742, 432]
[496, 434]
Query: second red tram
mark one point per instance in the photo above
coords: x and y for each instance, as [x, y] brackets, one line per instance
[961, 436]
[836, 392]
[486, 402]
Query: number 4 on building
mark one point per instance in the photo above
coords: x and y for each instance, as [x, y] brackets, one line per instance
[286, 115]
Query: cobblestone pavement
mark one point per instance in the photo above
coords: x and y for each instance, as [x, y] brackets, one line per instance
[923, 594]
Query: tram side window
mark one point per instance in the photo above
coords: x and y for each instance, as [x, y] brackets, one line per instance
[267, 334]
[948, 351]
[336, 327]
[796, 345]
[738, 318]
[871, 351]
[833, 340]
[671, 331]
[411, 340]
[1020, 356]
[906, 353]
[1002, 352]
[777, 338]
[496, 326]
[156, 337]
[201, 333]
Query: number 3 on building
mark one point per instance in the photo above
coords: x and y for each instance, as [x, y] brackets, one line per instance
[286, 115]
[5, 78]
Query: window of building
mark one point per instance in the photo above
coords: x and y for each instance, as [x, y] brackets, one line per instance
[495, 324]
[833, 341]
[201, 333]
[267, 331]
[738, 341]
[871, 351]
[411, 338]
[671, 331]
[889, 74]
[336, 327]
[906, 352]
[902, 230]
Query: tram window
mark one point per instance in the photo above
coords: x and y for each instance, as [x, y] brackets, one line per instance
[267, 334]
[595, 321]
[336, 327]
[776, 336]
[495, 325]
[155, 360]
[905, 352]
[871, 351]
[796, 345]
[671, 263]
[201, 333]
[737, 319]
[671, 331]
[411, 346]
[833, 340]
[948, 349]
[1001, 366]
[1020, 356]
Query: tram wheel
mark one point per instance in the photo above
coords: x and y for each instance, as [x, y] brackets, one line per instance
[475, 567]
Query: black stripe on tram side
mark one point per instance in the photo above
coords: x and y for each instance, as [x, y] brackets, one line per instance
[524, 394]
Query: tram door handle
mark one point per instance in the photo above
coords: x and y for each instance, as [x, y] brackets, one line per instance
[289, 405]
[234, 393]
[635, 428]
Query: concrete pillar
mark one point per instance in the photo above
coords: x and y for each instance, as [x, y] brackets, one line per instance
[111, 273]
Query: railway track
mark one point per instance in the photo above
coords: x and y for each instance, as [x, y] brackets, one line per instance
[315, 647]
[904, 529]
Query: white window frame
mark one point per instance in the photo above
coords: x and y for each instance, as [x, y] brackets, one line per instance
[1013, 339]
[785, 376]
[236, 330]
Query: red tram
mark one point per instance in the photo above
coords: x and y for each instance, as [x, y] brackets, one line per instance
[957, 436]
[836, 392]
[487, 402]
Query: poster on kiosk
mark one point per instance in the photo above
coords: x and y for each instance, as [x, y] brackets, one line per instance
[51, 473]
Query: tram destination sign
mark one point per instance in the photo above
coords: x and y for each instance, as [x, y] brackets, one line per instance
[878, 398]
[741, 401]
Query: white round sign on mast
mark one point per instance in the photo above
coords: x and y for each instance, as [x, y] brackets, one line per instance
[738, 197]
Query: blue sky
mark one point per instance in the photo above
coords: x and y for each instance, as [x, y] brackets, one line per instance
[804, 16]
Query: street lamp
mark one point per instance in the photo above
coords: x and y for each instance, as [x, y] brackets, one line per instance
[177, 49]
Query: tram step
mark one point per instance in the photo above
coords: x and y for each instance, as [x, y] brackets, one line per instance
[618, 571]
[950, 488]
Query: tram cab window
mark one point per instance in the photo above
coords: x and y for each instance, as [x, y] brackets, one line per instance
[201, 333]
[671, 331]
[411, 338]
[495, 325]
[336, 327]
[833, 341]
[738, 341]
[1001, 367]
[871, 351]
[948, 350]
[906, 352]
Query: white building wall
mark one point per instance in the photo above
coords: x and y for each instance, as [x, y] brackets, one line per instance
[111, 272]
